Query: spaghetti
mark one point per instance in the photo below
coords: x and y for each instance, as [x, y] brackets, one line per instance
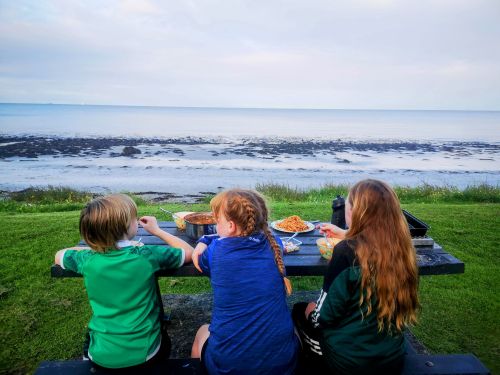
[293, 224]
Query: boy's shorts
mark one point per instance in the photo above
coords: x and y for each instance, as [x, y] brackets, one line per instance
[162, 354]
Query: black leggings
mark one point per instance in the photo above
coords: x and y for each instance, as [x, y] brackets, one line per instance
[311, 359]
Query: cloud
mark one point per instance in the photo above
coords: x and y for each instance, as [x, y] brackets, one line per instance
[335, 54]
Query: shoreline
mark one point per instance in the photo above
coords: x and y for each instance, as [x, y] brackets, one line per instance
[189, 169]
[32, 147]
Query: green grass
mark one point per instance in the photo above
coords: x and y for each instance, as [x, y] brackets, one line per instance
[423, 193]
[43, 318]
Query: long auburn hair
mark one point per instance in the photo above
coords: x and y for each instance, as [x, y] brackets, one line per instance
[248, 210]
[385, 254]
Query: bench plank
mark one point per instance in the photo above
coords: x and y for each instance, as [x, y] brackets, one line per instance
[451, 364]
[187, 366]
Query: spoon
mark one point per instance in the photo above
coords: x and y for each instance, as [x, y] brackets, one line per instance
[328, 244]
[168, 212]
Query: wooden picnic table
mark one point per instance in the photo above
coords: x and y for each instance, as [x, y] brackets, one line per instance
[431, 258]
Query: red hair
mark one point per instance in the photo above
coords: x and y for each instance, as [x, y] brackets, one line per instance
[248, 210]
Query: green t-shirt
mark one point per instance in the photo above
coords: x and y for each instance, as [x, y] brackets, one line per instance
[125, 325]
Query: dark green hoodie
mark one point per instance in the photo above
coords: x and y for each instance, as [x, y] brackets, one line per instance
[351, 342]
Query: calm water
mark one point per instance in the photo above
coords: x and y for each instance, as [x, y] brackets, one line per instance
[88, 120]
[457, 148]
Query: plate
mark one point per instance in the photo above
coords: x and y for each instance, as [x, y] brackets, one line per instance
[310, 227]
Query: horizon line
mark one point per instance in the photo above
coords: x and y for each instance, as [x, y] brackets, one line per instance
[248, 108]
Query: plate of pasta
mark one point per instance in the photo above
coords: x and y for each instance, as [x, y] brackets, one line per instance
[292, 224]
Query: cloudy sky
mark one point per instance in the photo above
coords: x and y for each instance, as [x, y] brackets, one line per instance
[377, 54]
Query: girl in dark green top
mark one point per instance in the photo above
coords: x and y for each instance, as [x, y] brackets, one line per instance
[369, 293]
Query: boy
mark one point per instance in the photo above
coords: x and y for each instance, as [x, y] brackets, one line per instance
[125, 328]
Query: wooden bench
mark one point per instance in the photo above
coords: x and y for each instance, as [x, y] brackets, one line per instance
[415, 364]
[79, 367]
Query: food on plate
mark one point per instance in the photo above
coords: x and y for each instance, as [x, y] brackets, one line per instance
[293, 224]
[200, 218]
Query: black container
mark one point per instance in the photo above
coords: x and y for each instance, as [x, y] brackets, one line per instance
[417, 227]
[338, 214]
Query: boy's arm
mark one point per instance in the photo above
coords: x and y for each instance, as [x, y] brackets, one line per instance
[150, 224]
[60, 254]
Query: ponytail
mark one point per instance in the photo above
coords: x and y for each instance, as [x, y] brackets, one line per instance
[278, 259]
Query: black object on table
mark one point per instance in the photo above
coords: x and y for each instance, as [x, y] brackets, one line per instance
[417, 227]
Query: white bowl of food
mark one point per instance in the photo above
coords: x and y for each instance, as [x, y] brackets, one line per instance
[326, 248]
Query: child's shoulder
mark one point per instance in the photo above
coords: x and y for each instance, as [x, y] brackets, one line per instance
[346, 248]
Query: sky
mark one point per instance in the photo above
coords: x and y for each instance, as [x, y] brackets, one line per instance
[352, 54]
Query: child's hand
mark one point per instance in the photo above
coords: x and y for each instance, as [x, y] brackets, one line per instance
[332, 230]
[310, 308]
[150, 224]
[200, 248]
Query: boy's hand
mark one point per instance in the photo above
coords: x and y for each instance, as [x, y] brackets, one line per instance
[150, 224]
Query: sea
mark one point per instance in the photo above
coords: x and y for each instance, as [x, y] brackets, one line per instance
[187, 151]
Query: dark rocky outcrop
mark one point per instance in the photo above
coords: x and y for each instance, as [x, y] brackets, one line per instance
[130, 150]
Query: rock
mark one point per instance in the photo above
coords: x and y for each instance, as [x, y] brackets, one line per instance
[130, 150]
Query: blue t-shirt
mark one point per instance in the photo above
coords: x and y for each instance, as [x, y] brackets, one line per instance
[251, 330]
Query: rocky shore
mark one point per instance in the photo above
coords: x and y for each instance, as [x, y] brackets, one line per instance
[35, 146]
[188, 169]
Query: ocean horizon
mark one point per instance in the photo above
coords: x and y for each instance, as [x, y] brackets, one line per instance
[188, 150]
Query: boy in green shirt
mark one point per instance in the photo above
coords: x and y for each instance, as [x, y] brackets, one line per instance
[125, 328]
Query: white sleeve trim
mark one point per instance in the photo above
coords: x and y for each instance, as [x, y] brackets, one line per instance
[62, 259]
[183, 257]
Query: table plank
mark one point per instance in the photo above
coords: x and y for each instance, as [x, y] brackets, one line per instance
[432, 260]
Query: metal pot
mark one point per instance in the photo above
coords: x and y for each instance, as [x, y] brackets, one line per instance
[194, 229]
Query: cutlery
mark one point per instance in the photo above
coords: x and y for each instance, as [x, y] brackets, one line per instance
[166, 211]
[328, 244]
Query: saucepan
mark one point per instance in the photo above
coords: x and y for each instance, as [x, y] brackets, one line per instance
[200, 223]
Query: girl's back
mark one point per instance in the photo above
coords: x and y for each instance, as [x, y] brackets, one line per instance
[251, 326]
[251, 330]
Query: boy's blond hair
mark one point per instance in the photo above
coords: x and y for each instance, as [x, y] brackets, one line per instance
[106, 220]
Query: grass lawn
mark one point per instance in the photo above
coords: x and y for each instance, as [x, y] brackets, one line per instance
[43, 318]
